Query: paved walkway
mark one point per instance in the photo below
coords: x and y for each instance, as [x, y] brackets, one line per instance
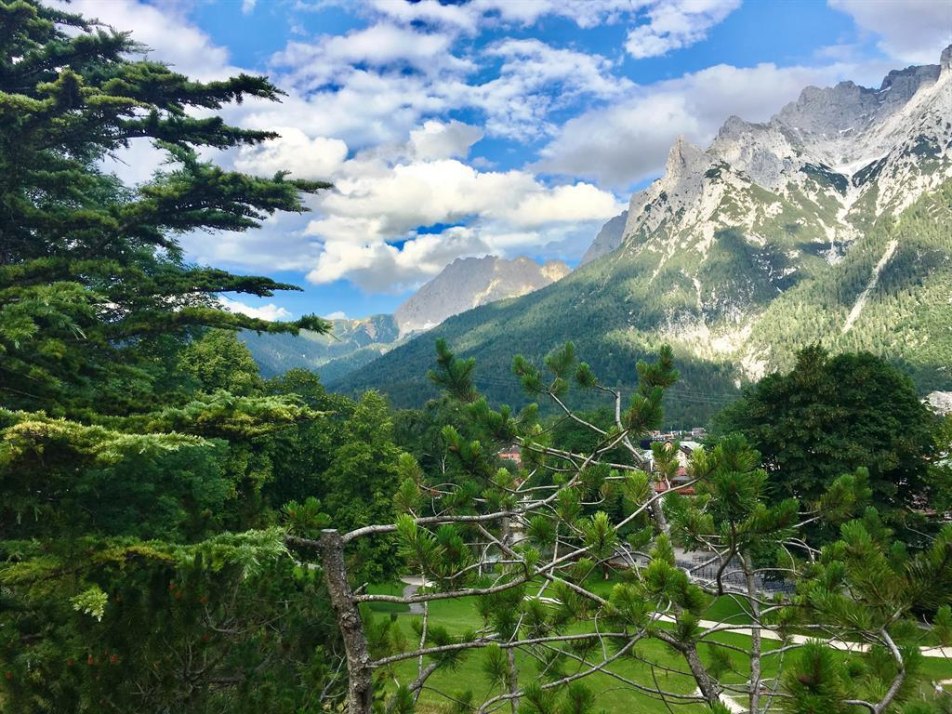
[411, 585]
[768, 634]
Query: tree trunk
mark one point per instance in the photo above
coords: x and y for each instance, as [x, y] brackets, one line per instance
[360, 690]
[657, 513]
[705, 682]
[755, 636]
[513, 680]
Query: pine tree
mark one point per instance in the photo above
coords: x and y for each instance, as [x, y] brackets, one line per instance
[131, 466]
[92, 280]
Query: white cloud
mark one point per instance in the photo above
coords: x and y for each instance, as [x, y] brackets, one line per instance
[438, 140]
[170, 37]
[248, 6]
[263, 312]
[381, 199]
[331, 58]
[562, 204]
[673, 24]
[280, 244]
[380, 267]
[536, 78]
[355, 87]
[589, 13]
[467, 17]
[383, 195]
[336, 315]
[294, 151]
[913, 31]
[668, 25]
[375, 203]
[628, 141]
[362, 107]
[135, 163]
[457, 17]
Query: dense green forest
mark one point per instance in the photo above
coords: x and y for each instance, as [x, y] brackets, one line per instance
[179, 533]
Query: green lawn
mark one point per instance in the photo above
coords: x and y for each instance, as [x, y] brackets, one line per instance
[612, 695]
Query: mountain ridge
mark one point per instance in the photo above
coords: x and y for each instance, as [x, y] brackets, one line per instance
[831, 222]
[470, 282]
[463, 284]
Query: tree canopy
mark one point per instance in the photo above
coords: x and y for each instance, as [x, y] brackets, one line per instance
[92, 280]
[140, 568]
[831, 414]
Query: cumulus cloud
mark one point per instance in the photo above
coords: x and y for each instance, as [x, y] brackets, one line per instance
[262, 312]
[170, 37]
[374, 203]
[381, 267]
[373, 85]
[467, 17]
[913, 31]
[665, 24]
[628, 141]
[331, 58]
[439, 140]
[305, 157]
[674, 24]
[384, 267]
[369, 226]
[279, 245]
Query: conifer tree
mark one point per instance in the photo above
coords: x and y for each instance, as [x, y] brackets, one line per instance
[130, 474]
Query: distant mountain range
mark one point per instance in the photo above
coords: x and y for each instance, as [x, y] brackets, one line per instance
[464, 284]
[832, 222]
[470, 282]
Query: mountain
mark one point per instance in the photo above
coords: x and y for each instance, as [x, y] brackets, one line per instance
[464, 284]
[351, 344]
[832, 222]
[608, 238]
[470, 282]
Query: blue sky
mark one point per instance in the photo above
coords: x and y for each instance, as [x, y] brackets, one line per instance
[505, 127]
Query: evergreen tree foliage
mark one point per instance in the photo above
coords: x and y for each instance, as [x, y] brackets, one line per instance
[92, 281]
[139, 566]
[529, 545]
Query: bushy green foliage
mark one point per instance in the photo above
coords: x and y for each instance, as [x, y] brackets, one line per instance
[833, 414]
[139, 566]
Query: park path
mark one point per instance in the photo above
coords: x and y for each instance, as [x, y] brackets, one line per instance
[410, 586]
[768, 634]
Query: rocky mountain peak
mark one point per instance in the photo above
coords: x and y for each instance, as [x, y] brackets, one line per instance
[685, 171]
[470, 282]
[945, 60]
[829, 110]
[609, 237]
[904, 83]
[684, 159]
[555, 270]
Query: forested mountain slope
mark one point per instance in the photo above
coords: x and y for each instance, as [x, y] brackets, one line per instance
[830, 223]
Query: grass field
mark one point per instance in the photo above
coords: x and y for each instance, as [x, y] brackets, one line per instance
[650, 664]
